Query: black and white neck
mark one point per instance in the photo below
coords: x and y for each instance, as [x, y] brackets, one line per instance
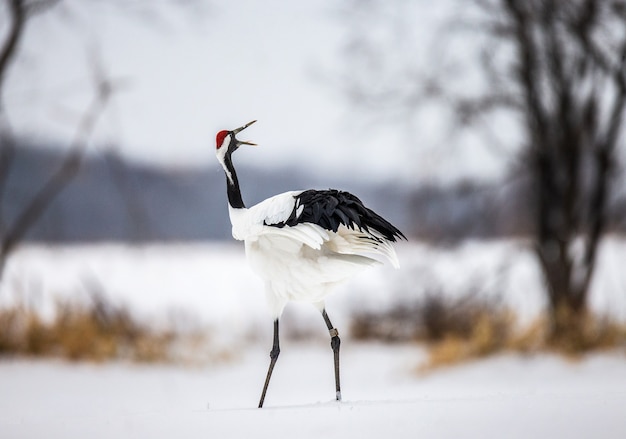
[224, 156]
[232, 184]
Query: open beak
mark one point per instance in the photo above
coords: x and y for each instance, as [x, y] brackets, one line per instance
[243, 142]
[237, 130]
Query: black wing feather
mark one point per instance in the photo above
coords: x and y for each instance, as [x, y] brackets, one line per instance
[332, 208]
[343, 217]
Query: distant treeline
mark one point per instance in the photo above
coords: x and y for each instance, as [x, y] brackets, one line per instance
[113, 200]
[480, 210]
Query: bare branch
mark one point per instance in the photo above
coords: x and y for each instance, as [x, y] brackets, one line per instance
[17, 23]
[528, 70]
[17, 13]
[61, 178]
[582, 34]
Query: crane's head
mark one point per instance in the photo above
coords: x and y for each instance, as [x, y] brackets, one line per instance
[227, 143]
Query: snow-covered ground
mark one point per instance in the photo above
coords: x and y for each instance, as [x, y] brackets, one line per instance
[510, 396]
[505, 396]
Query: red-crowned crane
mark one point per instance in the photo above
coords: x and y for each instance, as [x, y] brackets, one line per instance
[303, 243]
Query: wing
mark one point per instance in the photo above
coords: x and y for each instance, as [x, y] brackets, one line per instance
[273, 212]
[330, 209]
[335, 222]
[248, 223]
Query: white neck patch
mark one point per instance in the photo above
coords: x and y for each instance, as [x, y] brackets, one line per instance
[220, 153]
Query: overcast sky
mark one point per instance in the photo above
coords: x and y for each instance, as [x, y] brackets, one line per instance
[189, 72]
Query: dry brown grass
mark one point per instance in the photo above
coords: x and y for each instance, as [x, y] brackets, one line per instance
[597, 333]
[434, 318]
[594, 332]
[460, 330]
[94, 331]
[490, 334]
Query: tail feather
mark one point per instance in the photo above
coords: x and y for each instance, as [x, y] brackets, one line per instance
[351, 242]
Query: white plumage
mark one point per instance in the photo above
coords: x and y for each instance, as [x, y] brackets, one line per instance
[304, 243]
[305, 261]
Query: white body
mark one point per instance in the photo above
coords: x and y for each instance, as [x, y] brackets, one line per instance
[303, 262]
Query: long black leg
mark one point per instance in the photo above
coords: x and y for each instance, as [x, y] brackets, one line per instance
[334, 343]
[273, 357]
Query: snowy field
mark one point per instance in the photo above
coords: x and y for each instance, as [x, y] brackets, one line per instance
[506, 396]
[512, 397]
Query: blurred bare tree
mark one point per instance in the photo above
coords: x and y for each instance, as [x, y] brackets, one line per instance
[12, 234]
[17, 15]
[571, 70]
[558, 68]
